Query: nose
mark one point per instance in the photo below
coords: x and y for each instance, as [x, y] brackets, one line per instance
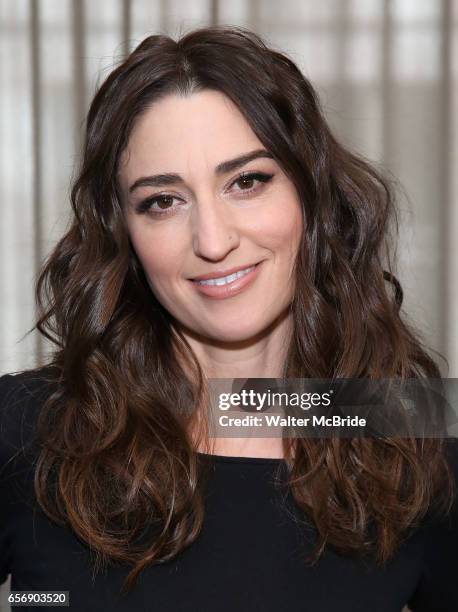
[214, 230]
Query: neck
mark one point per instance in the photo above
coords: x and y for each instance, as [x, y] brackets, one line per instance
[260, 357]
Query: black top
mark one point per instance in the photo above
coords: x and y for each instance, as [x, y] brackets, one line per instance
[248, 556]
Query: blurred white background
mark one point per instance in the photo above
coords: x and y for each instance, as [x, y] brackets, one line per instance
[387, 74]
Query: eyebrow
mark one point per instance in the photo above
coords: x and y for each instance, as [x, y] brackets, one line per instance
[159, 180]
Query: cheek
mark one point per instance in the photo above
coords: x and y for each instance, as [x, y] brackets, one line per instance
[282, 228]
[158, 255]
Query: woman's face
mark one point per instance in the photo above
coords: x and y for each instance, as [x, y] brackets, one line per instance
[191, 213]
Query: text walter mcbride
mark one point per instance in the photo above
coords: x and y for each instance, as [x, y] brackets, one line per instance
[315, 421]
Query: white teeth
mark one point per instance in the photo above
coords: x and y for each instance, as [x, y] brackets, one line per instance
[225, 280]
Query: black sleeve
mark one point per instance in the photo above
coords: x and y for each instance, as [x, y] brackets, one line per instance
[21, 396]
[8, 386]
[437, 590]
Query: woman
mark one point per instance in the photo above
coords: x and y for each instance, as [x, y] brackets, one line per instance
[209, 157]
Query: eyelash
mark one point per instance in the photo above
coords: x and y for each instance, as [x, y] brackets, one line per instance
[145, 205]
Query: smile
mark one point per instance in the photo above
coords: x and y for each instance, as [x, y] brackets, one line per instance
[225, 280]
[228, 286]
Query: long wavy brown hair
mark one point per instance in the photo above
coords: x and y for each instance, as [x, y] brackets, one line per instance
[116, 462]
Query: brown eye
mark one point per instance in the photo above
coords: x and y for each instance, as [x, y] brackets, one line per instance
[164, 202]
[246, 181]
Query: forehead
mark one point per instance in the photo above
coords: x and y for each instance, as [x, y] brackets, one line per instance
[187, 133]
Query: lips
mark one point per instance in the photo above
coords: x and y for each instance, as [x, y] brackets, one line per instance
[222, 273]
[216, 290]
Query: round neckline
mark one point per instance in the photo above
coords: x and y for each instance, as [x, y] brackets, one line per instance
[235, 459]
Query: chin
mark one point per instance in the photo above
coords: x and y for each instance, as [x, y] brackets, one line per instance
[233, 336]
[234, 333]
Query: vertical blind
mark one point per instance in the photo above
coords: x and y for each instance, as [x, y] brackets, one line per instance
[387, 75]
